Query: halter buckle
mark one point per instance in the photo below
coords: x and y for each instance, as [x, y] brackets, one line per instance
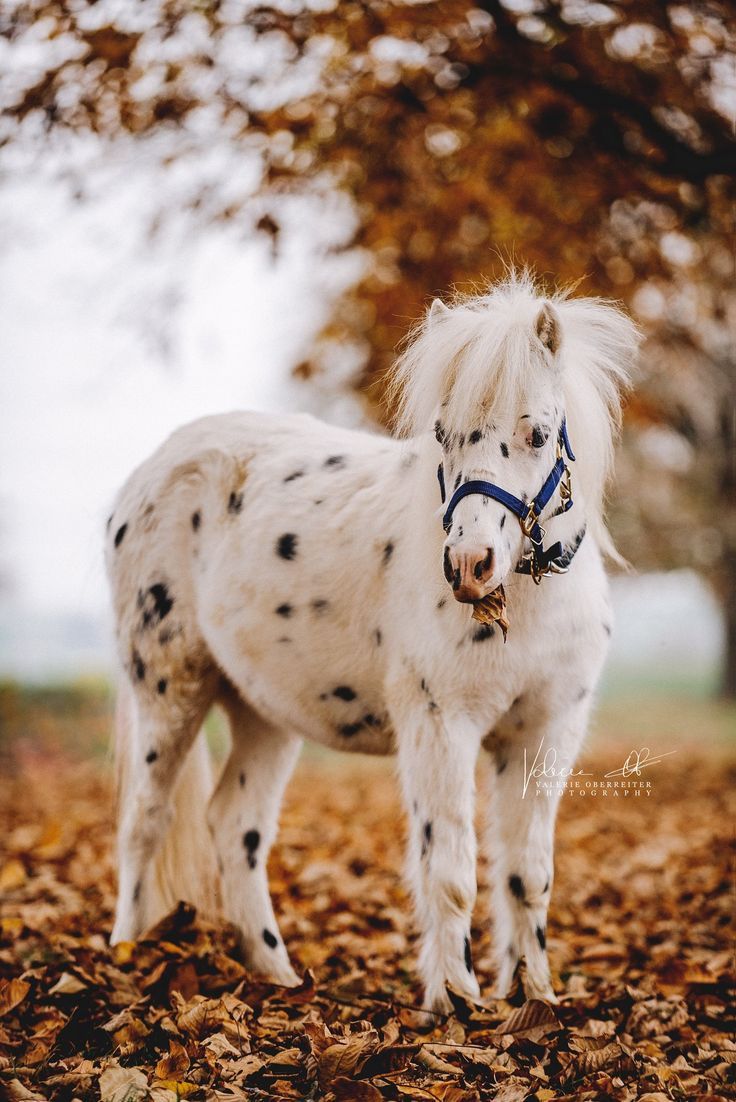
[566, 485]
[536, 573]
[529, 523]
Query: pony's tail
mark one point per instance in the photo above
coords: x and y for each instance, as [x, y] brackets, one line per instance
[184, 867]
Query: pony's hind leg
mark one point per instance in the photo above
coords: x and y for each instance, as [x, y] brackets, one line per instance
[243, 817]
[155, 733]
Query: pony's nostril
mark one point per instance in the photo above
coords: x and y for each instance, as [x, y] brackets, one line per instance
[483, 566]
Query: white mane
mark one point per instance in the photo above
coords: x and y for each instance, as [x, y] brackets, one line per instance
[482, 354]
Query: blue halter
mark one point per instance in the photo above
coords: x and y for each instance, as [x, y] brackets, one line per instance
[541, 560]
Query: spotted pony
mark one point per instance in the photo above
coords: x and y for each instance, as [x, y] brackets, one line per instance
[299, 575]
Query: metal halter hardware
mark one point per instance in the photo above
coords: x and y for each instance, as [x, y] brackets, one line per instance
[539, 560]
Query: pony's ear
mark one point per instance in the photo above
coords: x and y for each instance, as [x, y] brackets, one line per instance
[549, 329]
[437, 310]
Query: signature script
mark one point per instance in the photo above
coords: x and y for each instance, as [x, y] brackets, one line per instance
[547, 766]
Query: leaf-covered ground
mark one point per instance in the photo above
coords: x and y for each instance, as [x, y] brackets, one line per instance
[639, 940]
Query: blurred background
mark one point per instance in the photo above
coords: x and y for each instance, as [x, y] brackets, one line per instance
[216, 205]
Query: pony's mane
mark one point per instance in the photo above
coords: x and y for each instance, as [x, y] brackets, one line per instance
[481, 354]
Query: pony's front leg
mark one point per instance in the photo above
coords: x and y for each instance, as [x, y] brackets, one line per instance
[437, 766]
[521, 844]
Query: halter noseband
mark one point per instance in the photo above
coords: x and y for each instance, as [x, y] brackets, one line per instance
[540, 560]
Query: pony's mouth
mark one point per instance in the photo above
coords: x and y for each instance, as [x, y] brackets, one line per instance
[491, 609]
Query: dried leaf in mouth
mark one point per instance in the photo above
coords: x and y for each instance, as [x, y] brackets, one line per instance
[491, 609]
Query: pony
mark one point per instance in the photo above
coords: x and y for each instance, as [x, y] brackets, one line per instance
[310, 580]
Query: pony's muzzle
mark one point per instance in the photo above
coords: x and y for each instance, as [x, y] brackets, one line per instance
[468, 569]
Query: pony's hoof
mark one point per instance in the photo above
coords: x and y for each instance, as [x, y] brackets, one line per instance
[437, 1001]
[285, 977]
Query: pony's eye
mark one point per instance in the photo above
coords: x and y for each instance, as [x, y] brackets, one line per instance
[539, 437]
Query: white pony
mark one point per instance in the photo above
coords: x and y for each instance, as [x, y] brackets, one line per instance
[299, 574]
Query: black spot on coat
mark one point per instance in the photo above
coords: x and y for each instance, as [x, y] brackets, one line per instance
[196, 520]
[161, 685]
[541, 937]
[426, 838]
[294, 476]
[344, 692]
[286, 545]
[483, 632]
[235, 502]
[388, 552]
[156, 604]
[284, 610]
[335, 461]
[447, 566]
[350, 729]
[468, 955]
[139, 666]
[151, 756]
[475, 436]
[505, 450]
[251, 841]
[120, 534]
[241, 780]
[516, 886]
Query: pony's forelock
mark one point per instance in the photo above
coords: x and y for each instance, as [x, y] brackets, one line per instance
[481, 353]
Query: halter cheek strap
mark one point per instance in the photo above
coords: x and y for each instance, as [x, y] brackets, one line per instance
[540, 561]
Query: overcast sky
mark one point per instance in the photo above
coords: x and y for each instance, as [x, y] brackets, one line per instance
[108, 342]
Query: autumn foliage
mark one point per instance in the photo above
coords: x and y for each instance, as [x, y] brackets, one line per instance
[592, 141]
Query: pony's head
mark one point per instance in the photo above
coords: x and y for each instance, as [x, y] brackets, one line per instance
[495, 377]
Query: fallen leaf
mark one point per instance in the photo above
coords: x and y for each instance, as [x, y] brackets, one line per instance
[12, 875]
[532, 1020]
[348, 1090]
[433, 1063]
[174, 1064]
[118, 1084]
[491, 609]
[67, 984]
[12, 994]
[179, 1088]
